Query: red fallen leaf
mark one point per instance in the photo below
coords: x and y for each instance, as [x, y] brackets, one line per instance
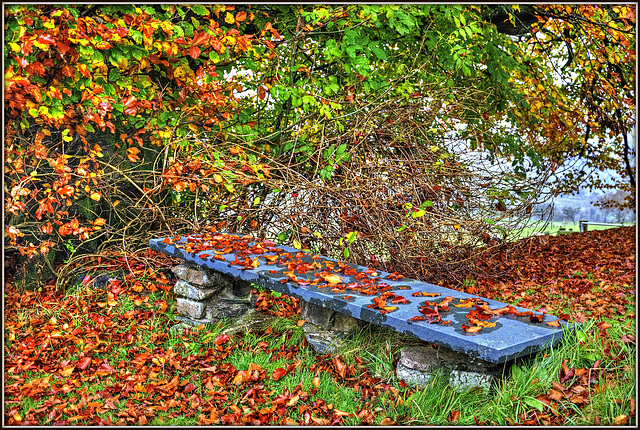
[340, 366]
[83, 363]
[555, 323]
[455, 416]
[566, 376]
[426, 310]
[105, 368]
[279, 373]
[628, 338]
[223, 338]
[399, 299]
[418, 318]
[86, 280]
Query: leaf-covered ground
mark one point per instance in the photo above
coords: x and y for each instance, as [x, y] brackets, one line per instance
[105, 356]
[585, 275]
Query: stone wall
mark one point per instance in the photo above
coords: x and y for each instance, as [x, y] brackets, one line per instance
[205, 296]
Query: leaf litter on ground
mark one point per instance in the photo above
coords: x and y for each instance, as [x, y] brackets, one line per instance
[105, 356]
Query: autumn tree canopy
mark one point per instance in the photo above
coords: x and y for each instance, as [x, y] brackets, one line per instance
[122, 120]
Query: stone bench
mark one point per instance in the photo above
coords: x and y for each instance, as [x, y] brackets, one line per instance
[473, 337]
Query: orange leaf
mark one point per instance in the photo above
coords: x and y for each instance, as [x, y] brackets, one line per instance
[279, 373]
[455, 416]
[194, 52]
[67, 371]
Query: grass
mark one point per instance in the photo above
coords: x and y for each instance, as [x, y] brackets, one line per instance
[136, 383]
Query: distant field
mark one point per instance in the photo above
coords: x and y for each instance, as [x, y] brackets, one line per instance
[568, 227]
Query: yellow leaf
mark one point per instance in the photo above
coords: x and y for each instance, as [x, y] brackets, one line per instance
[332, 279]
[217, 178]
[95, 196]
[229, 19]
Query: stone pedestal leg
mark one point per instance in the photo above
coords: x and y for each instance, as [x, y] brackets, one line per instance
[324, 329]
[206, 296]
[418, 364]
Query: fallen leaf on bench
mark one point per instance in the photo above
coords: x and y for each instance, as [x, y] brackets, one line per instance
[332, 279]
[555, 323]
[426, 310]
[395, 276]
[425, 294]
[418, 318]
[270, 258]
[371, 272]
[465, 304]
[471, 329]
[399, 299]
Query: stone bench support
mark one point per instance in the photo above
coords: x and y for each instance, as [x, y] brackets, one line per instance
[206, 296]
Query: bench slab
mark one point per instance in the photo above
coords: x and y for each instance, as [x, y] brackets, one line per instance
[356, 291]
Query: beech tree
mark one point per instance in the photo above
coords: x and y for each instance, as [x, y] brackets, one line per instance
[123, 121]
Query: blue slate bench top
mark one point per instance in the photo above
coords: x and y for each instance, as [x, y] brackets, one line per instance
[479, 327]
